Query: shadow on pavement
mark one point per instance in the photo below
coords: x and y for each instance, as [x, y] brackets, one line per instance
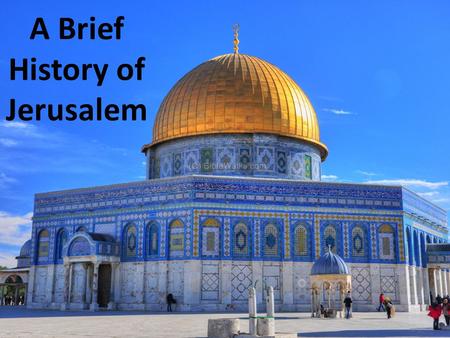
[378, 333]
[22, 312]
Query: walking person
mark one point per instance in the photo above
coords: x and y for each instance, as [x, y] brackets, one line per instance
[381, 306]
[439, 299]
[389, 307]
[348, 305]
[435, 311]
[446, 311]
[170, 300]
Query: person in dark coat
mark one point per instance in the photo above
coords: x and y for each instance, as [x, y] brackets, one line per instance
[446, 311]
[389, 307]
[170, 300]
[348, 304]
[439, 299]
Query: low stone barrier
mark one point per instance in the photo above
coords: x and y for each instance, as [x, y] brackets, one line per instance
[223, 328]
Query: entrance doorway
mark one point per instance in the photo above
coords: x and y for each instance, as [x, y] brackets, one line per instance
[104, 285]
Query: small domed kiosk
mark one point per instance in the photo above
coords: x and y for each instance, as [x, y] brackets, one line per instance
[330, 280]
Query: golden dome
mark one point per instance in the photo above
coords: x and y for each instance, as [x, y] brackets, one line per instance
[236, 93]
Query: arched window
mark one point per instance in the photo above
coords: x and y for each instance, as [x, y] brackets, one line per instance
[43, 246]
[330, 238]
[14, 279]
[358, 242]
[176, 235]
[271, 240]
[210, 237]
[152, 239]
[300, 241]
[241, 240]
[61, 240]
[386, 242]
[130, 241]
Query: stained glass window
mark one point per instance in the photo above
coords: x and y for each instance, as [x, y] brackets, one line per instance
[300, 241]
[60, 242]
[308, 167]
[176, 242]
[153, 239]
[210, 235]
[271, 240]
[43, 245]
[130, 241]
[330, 238]
[358, 242]
[386, 242]
[241, 240]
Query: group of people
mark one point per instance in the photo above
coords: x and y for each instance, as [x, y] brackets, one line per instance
[385, 305]
[441, 306]
[10, 300]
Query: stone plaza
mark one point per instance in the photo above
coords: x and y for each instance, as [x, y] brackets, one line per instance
[21, 322]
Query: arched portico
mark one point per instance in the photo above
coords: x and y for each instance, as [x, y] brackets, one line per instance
[13, 288]
[90, 267]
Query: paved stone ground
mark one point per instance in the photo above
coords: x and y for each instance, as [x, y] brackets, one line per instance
[19, 322]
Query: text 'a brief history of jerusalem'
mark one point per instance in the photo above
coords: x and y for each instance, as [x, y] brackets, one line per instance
[33, 69]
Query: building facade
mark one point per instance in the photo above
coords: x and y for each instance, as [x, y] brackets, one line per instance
[232, 198]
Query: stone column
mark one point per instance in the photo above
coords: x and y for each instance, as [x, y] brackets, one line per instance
[226, 282]
[448, 281]
[433, 282]
[288, 286]
[402, 274]
[16, 295]
[31, 277]
[66, 293]
[192, 289]
[439, 281]
[413, 284]
[163, 282]
[94, 304]
[375, 283]
[88, 293]
[419, 276]
[426, 286]
[445, 289]
[139, 283]
[257, 276]
[1, 294]
[112, 300]
[50, 282]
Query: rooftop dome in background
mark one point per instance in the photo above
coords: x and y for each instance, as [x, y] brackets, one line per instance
[329, 264]
[237, 93]
[25, 250]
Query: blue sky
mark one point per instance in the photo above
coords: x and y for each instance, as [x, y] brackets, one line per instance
[377, 73]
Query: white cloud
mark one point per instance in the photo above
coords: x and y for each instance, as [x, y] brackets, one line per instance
[8, 260]
[411, 183]
[5, 179]
[365, 173]
[8, 142]
[14, 229]
[338, 111]
[440, 200]
[329, 177]
[16, 125]
[428, 194]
